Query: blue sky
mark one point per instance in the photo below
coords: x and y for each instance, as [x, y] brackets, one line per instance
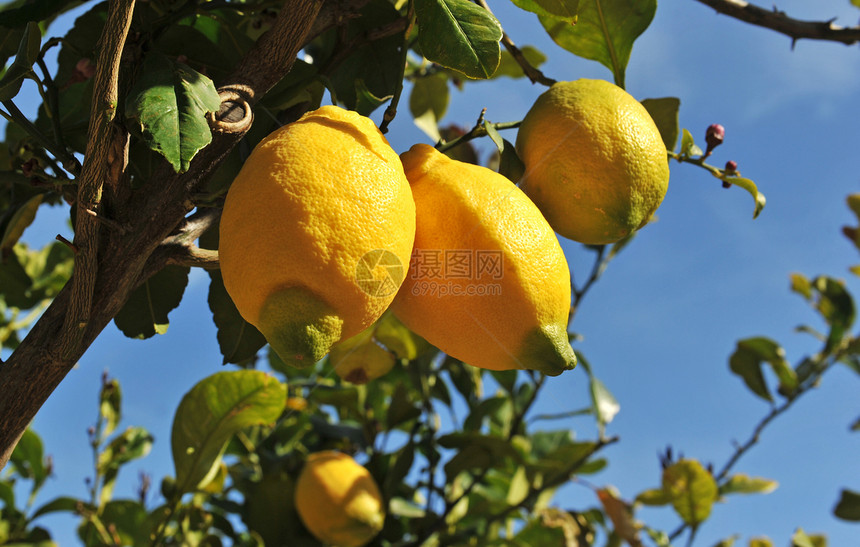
[659, 326]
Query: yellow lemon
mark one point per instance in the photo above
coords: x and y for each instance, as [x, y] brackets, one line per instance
[316, 232]
[488, 283]
[338, 500]
[595, 163]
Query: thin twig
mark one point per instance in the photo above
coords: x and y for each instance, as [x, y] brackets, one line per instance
[391, 110]
[778, 21]
[533, 74]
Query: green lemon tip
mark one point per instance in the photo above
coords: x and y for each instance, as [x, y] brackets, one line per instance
[547, 349]
[299, 326]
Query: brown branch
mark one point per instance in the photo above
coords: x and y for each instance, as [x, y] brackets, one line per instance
[533, 74]
[782, 23]
[151, 216]
[96, 170]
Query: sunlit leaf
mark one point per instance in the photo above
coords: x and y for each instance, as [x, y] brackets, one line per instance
[802, 539]
[604, 31]
[459, 35]
[212, 412]
[692, 489]
[654, 497]
[664, 112]
[750, 187]
[562, 9]
[760, 542]
[744, 484]
[688, 145]
[169, 102]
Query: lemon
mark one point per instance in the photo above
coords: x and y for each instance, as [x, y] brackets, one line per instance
[338, 500]
[595, 163]
[488, 283]
[316, 232]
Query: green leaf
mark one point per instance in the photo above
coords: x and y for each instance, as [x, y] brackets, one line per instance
[562, 9]
[459, 35]
[802, 539]
[394, 335]
[428, 102]
[62, 504]
[131, 444]
[744, 484]
[110, 405]
[761, 542]
[855, 3]
[664, 112]
[238, 339]
[801, 285]
[510, 164]
[692, 489]
[508, 66]
[604, 31]
[22, 66]
[377, 63]
[38, 10]
[23, 217]
[28, 459]
[401, 409]
[145, 312]
[654, 497]
[688, 145]
[836, 306]
[604, 403]
[476, 451]
[848, 506]
[747, 359]
[212, 412]
[169, 102]
[750, 187]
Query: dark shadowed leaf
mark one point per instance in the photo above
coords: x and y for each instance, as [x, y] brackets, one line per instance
[459, 35]
[692, 489]
[17, 16]
[212, 412]
[664, 112]
[238, 339]
[604, 31]
[28, 459]
[428, 102]
[848, 506]
[22, 66]
[145, 312]
[18, 222]
[169, 102]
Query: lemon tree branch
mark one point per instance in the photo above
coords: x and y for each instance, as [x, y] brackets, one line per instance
[778, 21]
[151, 215]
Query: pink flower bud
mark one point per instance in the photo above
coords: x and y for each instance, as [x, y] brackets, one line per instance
[714, 137]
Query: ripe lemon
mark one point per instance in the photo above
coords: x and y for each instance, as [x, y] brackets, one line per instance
[338, 500]
[596, 165]
[488, 283]
[316, 232]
